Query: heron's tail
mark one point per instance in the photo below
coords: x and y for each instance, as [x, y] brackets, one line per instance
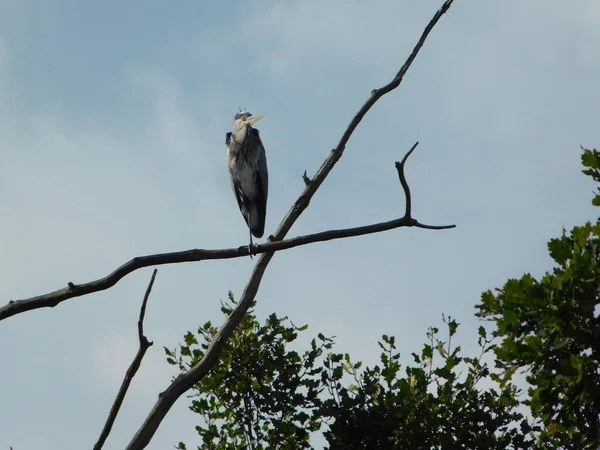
[257, 222]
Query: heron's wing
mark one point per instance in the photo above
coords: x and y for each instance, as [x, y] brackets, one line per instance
[263, 172]
[262, 181]
[242, 200]
[236, 187]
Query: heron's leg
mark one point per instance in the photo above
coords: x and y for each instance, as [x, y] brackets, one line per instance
[251, 244]
[250, 230]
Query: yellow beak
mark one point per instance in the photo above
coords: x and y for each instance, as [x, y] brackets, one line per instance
[252, 120]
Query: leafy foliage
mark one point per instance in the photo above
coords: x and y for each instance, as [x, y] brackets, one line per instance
[551, 328]
[261, 394]
[427, 406]
[591, 161]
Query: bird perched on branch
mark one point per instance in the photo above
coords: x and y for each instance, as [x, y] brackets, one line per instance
[247, 163]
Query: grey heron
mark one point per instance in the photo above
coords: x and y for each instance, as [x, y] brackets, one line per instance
[247, 164]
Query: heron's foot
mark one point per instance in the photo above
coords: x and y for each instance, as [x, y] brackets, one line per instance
[250, 249]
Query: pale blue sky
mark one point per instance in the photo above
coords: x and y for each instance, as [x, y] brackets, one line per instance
[112, 123]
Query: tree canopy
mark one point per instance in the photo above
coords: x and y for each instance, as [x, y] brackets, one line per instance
[550, 328]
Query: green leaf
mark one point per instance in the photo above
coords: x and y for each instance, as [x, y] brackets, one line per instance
[591, 158]
[560, 249]
[427, 352]
[482, 333]
[190, 339]
[452, 326]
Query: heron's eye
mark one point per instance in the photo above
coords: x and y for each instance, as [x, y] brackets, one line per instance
[244, 118]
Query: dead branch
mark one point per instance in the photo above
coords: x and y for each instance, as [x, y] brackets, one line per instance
[186, 381]
[403, 182]
[77, 290]
[145, 344]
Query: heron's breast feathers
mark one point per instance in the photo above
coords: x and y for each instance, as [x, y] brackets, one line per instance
[244, 163]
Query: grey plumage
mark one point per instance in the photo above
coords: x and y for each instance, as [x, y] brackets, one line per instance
[247, 164]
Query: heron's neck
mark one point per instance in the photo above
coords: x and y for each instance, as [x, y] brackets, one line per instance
[239, 137]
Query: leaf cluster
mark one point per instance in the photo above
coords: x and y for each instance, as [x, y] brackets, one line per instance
[435, 403]
[261, 394]
[550, 328]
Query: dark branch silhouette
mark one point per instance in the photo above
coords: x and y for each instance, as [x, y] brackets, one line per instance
[145, 344]
[77, 290]
[403, 182]
[186, 381]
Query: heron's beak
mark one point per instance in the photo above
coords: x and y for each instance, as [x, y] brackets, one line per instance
[252, 120]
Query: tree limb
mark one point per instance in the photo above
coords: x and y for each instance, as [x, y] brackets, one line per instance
[145, 344]
[186, 381]
[54, 298]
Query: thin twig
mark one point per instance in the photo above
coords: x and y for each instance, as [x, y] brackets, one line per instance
[187, 380]
[403, 182]
[145, 344]
[306, 178]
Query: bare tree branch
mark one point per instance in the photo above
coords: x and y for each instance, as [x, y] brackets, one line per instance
[145, 344]
[400, 169]
[186, 381]
[54, 298]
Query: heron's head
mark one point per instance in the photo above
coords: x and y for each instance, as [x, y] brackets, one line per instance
[241, 122]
